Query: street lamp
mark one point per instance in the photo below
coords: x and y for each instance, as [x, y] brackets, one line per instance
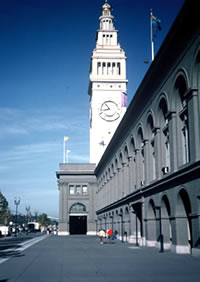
[121, 215]
[160, 224]
[96, 220]
[111, 216]
[105, 222]
[27, 211]
[16, 202]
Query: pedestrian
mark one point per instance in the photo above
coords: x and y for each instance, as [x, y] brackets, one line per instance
[109, 234]
[101, 235]
[115, 235]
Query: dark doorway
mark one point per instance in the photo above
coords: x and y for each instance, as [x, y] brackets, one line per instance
[78, 224]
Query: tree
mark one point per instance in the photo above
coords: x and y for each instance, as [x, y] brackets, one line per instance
[44, 220]
[4, 211]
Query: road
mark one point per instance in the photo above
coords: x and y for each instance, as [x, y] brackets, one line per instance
[82, 258]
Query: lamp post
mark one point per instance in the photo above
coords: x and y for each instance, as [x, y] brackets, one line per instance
[105, 222]
[160, 227]
[27, 211]
[96, 226]
[17, 203]
[111, 216]
[121, 215]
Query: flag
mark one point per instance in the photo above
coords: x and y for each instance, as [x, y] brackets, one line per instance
[156, 25]
[66, 138]
[124, 99]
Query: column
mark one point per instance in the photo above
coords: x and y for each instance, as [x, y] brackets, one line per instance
[173, 140]
[129, 175]
[147, 164]
[118, 184]
[157, 142]
[137, 158]
[63, 210]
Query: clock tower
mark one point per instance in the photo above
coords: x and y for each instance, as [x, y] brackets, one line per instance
[107, 87]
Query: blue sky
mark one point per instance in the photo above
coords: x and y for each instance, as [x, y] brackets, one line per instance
[45, 50]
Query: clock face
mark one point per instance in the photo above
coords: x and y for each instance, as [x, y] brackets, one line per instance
[109, 111]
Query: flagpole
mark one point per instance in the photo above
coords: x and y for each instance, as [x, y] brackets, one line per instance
[64, 159]
[67, 157]
[64, 149]
[151, 30]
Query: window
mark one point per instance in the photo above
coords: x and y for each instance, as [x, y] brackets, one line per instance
[78, 190]
[85, 190]
[109, 71]
[185, 138]
[113, 68]
[98, 67]
[182, 121]
[104, 68]
[71, 190]
[77, 208]
[118, 69]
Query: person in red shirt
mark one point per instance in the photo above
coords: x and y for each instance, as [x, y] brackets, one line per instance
[110, 234]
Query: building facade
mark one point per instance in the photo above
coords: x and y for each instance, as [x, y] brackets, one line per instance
[147, 181]
[148, 186]
[77, 185]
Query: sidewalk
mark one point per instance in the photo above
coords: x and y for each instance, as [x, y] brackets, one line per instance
[83, 258]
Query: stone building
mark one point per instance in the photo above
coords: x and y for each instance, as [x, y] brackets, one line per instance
[77, 206]
[147, 181]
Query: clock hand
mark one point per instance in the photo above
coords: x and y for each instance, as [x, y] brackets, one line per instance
[107, 108]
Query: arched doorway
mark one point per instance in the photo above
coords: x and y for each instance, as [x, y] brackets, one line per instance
[166, 225]
[151, 225]
[77, 219]
[183, 223]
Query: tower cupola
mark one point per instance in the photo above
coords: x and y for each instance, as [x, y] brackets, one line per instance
[106, 9]
[106, 20]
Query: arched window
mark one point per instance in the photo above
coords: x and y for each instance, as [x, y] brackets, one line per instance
[165, 142]
[98, 67]
[134, 168]
[113, 68]
[109, 71]
[118, 68]
[141, 157]
[77, 208]
[104, 68]
[182, 122]
[150, 136]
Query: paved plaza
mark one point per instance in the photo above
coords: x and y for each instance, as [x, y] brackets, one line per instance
[82, 258]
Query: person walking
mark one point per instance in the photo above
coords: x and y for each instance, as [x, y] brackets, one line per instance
[101, 235]
[110, 234]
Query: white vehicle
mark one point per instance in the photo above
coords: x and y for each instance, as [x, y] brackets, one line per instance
[5, 230]
[33, 226]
